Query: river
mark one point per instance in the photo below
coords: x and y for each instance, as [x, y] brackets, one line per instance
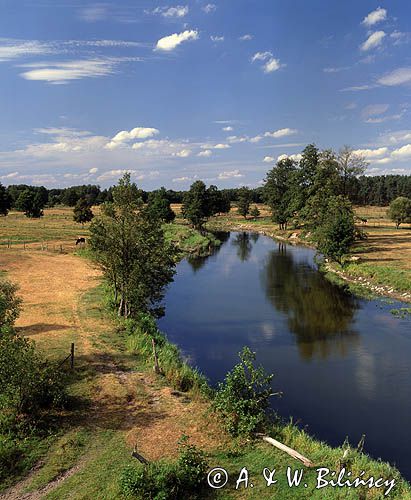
[343, 363]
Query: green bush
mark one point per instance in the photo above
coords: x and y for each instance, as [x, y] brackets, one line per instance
[243, 398]
[9, 303]
[28, 384]
[168, 481]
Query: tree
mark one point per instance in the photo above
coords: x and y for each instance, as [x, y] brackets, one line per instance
[5, 201]
[196, 206]
[350, 165]
[130, 248]
[219, 203]
[400, 210]
[244, 201]
[337, 233]
[31, 202]
[279, 189]
[159, 206]
[82, 212]
[254, 212]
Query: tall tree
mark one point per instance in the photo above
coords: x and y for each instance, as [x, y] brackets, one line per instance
[5, 201]
[82, 212]
[31, 202]
[130, 248]
[159, 206]
[244, 201]
[279, 189]
[196, 206]
[400, 210]
[350, 165]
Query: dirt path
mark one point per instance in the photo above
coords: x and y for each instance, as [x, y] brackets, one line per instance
[136, 404]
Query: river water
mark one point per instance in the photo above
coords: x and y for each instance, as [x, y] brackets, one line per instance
[343, 363]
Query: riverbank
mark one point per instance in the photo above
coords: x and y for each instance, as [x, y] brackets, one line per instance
[380, 265]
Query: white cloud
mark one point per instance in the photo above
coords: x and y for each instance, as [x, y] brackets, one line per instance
[402, 153]
[177, 11]
[135, 133]
[336, 70]
[181, 179]
[13, 49]
[216, 146]
[210, 7]
[374, 40]
[93, 170]
[228, 129]
[397, 137]
[184, 153]
[217, 38]
[268, 159]
[294, 157]
[172, 41]
[63, 72]
[374, 17]
[247, 37]
[374, 110]
[282, 132]
[371, 153]
[11, 175]
[270, 65]
[230, 174]
[399, 38]
[399, 76]
[234, 139]
[205, 154]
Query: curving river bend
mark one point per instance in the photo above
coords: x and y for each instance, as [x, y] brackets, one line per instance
[343, 363]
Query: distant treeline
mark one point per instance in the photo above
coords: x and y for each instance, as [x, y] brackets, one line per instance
[364, 190]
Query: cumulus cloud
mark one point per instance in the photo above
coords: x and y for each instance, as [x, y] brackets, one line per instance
[231, 174]
[128, 135]
[205, 154]
[210, 7]
[374, 17]
[268, 159]
[170, 42]
[294, 157]
[217, 38]
[402, 153]
[373, 41]
[184, 153]
[216, 146]
[282, 132]
[399, 76]
[228, 129]
[371, 153]
[93, 170]
[270, 65]
[181, 179]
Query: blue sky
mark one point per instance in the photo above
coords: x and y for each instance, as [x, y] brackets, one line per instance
[214, 90]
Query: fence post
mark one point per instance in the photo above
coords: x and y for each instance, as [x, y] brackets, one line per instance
[72, 356]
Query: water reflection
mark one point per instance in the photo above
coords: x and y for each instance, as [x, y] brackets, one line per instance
[318, 313]
[197, 262]
[242, 242]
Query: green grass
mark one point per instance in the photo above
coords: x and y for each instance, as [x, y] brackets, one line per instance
[399, 279]
[189, 240]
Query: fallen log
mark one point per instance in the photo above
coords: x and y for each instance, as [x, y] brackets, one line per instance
[293, 453]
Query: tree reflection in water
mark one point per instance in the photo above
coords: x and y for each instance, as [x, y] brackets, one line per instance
[197, 262]
[244, 246]
[320, 314]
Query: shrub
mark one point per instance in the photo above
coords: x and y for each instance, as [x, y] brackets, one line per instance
[9, 303]
[167, 481]
[243, 398]
[28, 384]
